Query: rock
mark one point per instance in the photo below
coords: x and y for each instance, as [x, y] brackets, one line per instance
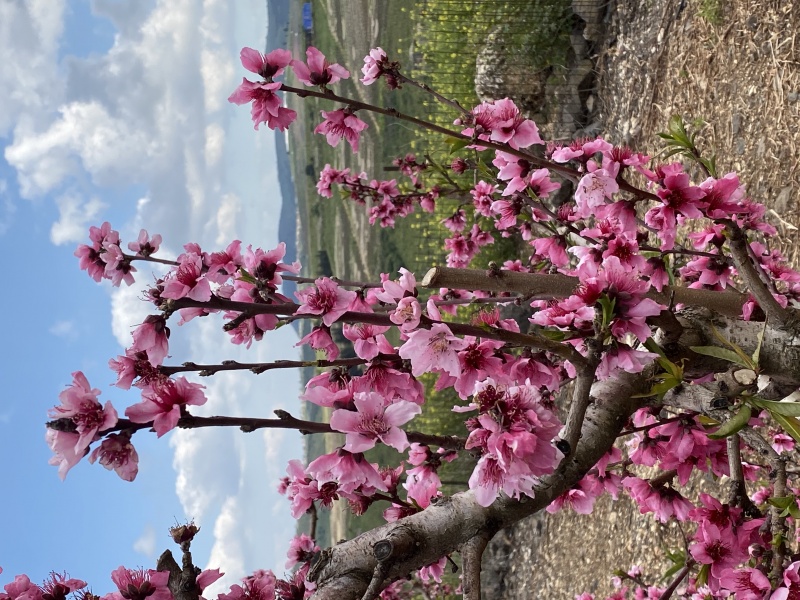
[592, 12]
[500, 74]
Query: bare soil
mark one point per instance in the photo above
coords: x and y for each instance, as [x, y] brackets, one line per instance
[738, 71]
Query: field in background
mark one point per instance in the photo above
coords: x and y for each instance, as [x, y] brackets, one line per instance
[436, 41]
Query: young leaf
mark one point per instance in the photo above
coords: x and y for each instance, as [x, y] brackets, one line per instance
[722, 353]
[787, 409]
[757, 351]
[734, 424]
[747, 361]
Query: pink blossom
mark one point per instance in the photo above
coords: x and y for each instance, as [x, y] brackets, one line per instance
[258, 586]
[151, 337]
[138, 584]
[374, 419]
[144, 244]
[188, 280]
[63, 444]
[407, 314]
[351, 471]
[301, 549]
[162, 402]
[364, 339]
[434, 348]
[340, 124]
[746, 583]
[118, 266]
[791, 583]
[374, 64]
[593, 191]
[320, 339]
[79, 403]
[266, 104]
[267, 66]
[325, 298]
[511, 127]
[663, 501]
[116, 452]
[318, 71]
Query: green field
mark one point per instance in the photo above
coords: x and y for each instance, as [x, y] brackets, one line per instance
[335, 236]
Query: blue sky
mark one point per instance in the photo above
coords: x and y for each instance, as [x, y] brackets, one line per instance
[116, 110]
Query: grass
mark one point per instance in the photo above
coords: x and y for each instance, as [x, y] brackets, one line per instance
[710, 10]
[330, 242]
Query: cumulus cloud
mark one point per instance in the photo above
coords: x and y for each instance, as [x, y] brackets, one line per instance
[31, 31]
[145, 544]
[153, 112]
[74, 218]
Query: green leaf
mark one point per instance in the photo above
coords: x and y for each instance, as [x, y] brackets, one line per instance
[757, 351]
[722, 353]
[736, 423]
[787, 409]
[789, 424]
[748, 362]
[782, 502]
[245, 276]
[457, 144]
[702, 575]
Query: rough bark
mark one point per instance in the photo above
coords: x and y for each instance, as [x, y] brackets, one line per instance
[345, 571]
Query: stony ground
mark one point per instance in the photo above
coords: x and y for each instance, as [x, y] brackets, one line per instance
[738, 69]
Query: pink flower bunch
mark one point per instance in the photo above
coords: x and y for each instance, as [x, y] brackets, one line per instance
[374, 418]
[162, 403]
[514, 432]
[302, 489]
[80, 405]
[266, 103]
[341, 124]
[326, 299]
[500, 121]
[104, 259]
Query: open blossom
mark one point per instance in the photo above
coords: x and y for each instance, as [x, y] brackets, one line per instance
[340, 124]
[151, 337]
[138, 584]
[320, 339]
[79, 403]
[374, 419]
[267, 66]
[187, 280]
[434, 348]
[162, 402]
[318, 71]
[144, 244]
[325, 298]
[116, 452]
[266, 104]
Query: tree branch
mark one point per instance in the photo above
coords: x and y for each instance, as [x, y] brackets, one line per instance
[344, 573]
[471, 553]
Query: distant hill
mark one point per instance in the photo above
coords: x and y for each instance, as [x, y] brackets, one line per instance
[277, 32]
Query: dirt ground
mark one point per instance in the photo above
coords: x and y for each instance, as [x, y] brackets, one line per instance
[735, 65]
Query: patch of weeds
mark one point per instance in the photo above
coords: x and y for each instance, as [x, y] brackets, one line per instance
[711, 11]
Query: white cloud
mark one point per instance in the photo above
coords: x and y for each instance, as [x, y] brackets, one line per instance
[229, 209]
[145, 544]
[127, 311]
[8, 208]
[74, 218]
[64, 329]
[30, 32]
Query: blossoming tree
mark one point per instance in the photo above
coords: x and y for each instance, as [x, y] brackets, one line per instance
[662, 340]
